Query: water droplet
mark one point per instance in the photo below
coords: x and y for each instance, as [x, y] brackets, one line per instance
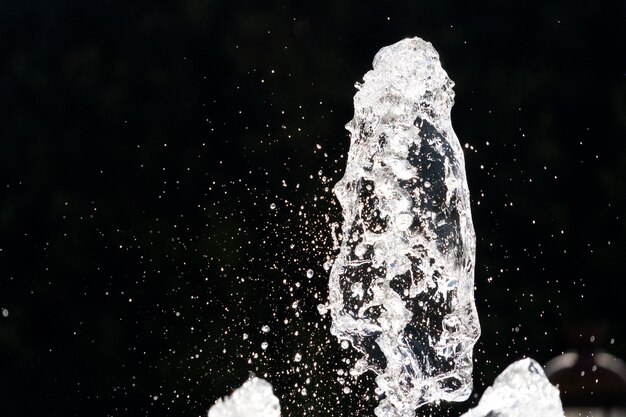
[309, 273]
[5, 312]
[273, 206]
[264, 345]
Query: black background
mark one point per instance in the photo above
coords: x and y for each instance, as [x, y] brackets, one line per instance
[142, 145]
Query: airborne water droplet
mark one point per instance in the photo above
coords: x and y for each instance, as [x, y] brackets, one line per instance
[322, 309]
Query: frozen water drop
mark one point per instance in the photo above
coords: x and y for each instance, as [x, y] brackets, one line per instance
[309, 273]
[264, 345]
[5, 312]
[297, 357]
[265, 329]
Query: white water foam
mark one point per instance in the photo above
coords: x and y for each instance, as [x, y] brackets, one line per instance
[521, 390]
[255, 398]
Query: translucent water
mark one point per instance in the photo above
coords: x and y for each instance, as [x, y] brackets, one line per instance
[401, 288]
[521, 390]
[255, 398]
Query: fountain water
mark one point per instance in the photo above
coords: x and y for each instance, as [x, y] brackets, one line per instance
[401, 288]
[521, 390]
[255, 398]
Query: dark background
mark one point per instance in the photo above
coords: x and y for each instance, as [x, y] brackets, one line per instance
[142, 145]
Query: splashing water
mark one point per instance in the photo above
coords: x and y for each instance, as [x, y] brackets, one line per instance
[401, 288]
[255, 398]
[521, 390]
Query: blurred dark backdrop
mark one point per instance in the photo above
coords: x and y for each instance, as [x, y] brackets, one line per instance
[163, 175]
